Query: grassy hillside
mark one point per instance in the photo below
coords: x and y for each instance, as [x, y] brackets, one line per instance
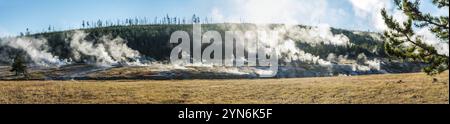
[413, 88]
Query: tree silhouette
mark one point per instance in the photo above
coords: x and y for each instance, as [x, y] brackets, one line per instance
[19, 65]
[27, 32]
[83, 24]
[194, 19]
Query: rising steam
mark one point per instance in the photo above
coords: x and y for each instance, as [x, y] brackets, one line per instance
[110, 51]
[105, 51]
[36, 48]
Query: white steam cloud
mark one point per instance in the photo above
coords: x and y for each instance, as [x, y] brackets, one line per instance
[370, 10]
[36, 48]
[317, 35]
[290, 52]
[429, 38]
[105, 51]
[293, 12]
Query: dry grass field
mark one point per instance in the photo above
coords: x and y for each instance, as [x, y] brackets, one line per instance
[413, 88]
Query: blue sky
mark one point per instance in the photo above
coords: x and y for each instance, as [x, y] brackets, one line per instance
[37, 15]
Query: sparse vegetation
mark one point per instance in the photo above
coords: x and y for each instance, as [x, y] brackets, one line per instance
[152, 40]
[413, 88]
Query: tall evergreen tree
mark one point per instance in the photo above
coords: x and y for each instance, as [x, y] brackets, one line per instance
[19, 65]
[83, 24]
[28, 32]
[402, 41]
[194, 18]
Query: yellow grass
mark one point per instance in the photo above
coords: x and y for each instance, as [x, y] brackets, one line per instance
[415, 88]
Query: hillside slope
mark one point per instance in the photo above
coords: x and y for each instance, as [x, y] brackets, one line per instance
[303, 51]
[153, 40]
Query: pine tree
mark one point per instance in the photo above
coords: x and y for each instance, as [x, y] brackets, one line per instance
[194, 19]
[401, 41]
[19, 66]
[168, 19]
[83, 24]
[28, 32]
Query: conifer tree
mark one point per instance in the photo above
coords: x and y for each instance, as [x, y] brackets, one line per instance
[401, 40]
[19, 65]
